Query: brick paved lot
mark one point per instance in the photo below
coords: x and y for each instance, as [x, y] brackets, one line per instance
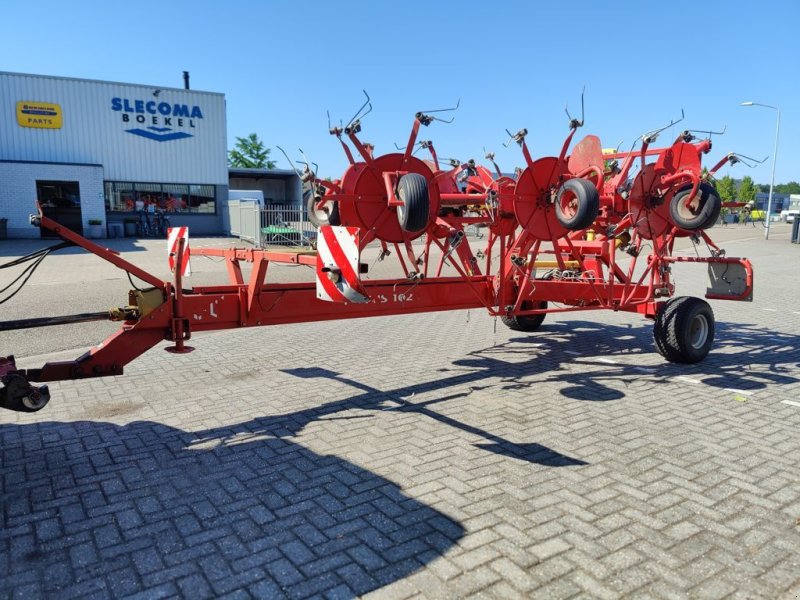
[424, 456]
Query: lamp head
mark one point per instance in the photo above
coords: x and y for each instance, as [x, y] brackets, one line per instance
[749, 103]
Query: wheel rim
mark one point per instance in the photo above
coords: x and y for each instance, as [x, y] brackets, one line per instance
[698, 333]
[323, 213]
[688, 208]
[568, 204]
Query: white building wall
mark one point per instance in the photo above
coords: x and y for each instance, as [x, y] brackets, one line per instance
[18, 193]
[94, 132]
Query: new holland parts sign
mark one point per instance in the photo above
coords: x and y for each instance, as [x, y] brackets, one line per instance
[157, 120]
[39, 115]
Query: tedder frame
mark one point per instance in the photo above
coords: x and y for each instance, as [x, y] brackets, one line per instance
[565, 233]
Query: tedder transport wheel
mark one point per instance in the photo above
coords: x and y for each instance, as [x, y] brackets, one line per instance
[684, 330]
[412, 191]
[525, 323]
[577, 204]
[20, 396]
[703, 210]
[327, 215]
[714, 216]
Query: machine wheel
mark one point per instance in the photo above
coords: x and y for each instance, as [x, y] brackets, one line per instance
[684, 330]
[21, 396]
[525, 323]
[577, 204]
[714, 216]
[703, 215]
[327, 215]
[412, 191]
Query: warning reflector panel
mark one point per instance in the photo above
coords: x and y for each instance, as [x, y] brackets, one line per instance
[337, 265]
[174, 234]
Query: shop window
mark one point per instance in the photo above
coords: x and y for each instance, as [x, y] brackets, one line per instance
[120, 196]
[177, 197]
[201, 198]
[149, 197]
[124, 196]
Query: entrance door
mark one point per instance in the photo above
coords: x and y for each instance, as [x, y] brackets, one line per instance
[60, 201]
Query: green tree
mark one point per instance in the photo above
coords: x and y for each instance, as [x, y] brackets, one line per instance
[250, 153]
[747, 190]
[787, 188]
[726, 188]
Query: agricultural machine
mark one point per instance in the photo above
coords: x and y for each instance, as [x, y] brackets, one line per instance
[577, 231]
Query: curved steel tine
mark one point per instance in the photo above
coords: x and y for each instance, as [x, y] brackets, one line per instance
[575, 123]
[306, 162]
[510, 139]
[748, 160]
[369, 110]
[290, 161]
[337, 131]
[438, 110]
[651, 136]
[358, 114]
[419, 145]
[710, 133]
[454, 162]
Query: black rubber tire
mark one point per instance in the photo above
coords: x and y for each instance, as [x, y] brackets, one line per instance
[526, 323]
[714, 216]
[19, 396]
[329, 215]
[684, 330]
[412, 191]
[706, 213]
[585, 201]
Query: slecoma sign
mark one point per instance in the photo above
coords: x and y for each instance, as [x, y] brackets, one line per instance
[158, 119]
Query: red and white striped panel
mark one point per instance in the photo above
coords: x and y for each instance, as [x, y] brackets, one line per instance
[173, 235]
[337, 265]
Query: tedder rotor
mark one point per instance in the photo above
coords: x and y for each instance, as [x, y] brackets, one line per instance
[564, 233]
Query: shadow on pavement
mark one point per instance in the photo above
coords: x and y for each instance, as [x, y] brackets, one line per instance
[93, 507]
[745, 357]
[375, 399]
[114, 510]
[21, 247]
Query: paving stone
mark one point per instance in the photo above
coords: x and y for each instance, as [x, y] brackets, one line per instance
[421, 456]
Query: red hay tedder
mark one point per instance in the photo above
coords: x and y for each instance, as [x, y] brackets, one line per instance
[566, 233]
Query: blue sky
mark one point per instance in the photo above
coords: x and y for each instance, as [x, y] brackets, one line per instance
[281, 65]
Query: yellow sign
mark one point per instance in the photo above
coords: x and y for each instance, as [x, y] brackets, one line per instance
[41, 115]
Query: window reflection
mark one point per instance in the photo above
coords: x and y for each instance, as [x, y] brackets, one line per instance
[123, 196]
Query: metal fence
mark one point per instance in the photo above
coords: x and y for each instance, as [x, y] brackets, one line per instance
[245, 219]
[286, 225]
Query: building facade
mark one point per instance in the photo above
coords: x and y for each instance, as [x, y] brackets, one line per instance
[779, 202]
[104, 151]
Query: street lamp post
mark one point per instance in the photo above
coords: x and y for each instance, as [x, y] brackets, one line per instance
[774, 159]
